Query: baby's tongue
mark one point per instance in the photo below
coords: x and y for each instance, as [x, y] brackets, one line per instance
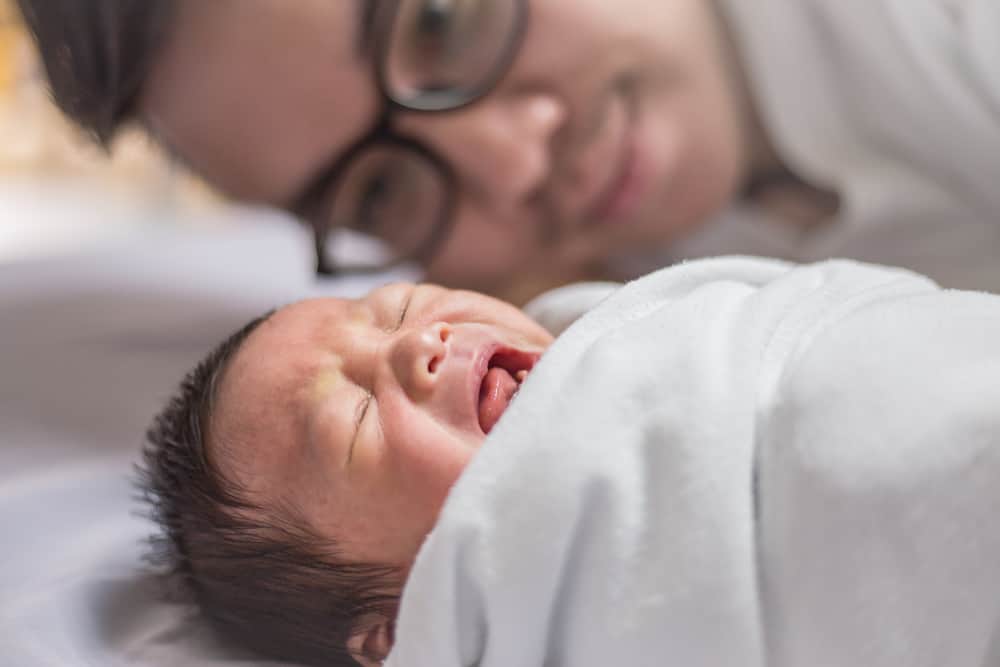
[494, 395]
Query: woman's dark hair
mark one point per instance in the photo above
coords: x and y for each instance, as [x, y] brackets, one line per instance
[259, 576]
[97, 55]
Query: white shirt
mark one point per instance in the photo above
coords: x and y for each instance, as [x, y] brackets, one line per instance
[895, 105]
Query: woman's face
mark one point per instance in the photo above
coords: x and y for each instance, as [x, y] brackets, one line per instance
[615, 126]
[361, 414]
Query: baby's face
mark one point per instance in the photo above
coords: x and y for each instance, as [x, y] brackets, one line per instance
[361, 414]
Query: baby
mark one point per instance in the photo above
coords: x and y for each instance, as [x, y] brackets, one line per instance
[301, 464]
[828, 431]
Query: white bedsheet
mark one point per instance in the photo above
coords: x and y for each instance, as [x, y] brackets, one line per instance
[90, 346]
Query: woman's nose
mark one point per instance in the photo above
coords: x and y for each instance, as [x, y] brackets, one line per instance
[417, 356]
[501, 147]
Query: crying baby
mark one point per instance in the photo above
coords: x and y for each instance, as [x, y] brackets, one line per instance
[300, 466]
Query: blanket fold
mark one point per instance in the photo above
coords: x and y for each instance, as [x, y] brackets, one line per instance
[732, 462]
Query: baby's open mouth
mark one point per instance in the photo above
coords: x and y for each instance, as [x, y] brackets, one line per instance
[506, 371]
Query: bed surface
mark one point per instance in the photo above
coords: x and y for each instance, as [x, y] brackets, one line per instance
[90, 346]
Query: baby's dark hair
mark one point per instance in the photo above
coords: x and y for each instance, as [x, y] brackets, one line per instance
[260, 577]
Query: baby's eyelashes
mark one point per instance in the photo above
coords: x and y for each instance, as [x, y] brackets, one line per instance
[361, 412]
[405, 308]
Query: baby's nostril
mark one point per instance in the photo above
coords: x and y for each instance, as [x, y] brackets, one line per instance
[445, 334]
[432, 365]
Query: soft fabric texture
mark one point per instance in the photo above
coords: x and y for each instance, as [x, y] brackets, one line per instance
[733, 462]
[558, 308]
[895, 104]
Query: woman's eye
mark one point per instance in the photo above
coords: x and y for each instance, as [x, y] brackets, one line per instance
[441, 30]
[374, 198]
[436, 18]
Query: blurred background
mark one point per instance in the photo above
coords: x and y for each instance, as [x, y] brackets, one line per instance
[49, 171]
[116, 275]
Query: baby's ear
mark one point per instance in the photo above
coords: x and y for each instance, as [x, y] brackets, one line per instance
[371, 644]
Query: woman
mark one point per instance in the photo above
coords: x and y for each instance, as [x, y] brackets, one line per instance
[512, 144]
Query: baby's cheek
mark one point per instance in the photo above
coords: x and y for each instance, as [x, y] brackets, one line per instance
[429, 458]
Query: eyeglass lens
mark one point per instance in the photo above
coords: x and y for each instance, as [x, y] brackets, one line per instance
[446, 45]
[437, 55]
[392, 193]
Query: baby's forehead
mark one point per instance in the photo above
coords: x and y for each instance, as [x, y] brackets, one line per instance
[308, 318]
[263, 397]
[291, 337]
[276, 351]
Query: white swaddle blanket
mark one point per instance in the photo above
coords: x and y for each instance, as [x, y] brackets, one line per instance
[733, 462]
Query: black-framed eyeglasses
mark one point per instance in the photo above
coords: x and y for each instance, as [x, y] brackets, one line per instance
[429, 56]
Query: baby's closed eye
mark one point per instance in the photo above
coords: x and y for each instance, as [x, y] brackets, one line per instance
[364, 407]
[405, 308]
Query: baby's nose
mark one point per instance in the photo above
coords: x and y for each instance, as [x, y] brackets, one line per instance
[417, 357]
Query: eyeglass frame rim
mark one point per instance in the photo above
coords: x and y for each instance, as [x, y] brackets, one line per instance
[318, 196]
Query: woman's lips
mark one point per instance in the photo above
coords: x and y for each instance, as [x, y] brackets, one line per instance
[500, 378]
[625, 184]
[622, 197]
